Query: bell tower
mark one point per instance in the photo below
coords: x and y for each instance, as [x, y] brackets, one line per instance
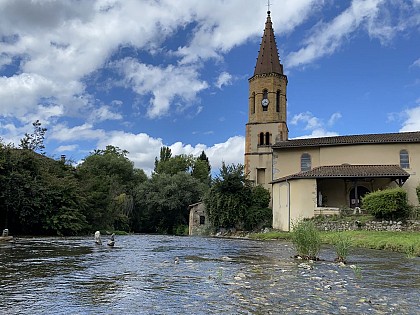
[267, 110]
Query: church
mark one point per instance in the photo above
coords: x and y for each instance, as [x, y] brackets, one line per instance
[308, 177]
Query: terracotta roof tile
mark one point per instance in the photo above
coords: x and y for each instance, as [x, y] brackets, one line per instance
[350, 171]
[402, 137]
[268, 57]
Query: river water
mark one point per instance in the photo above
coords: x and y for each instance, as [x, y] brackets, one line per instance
[213, 276]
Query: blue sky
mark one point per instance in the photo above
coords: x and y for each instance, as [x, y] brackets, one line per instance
[147, 73]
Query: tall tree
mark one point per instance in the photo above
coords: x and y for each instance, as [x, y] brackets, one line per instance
[108, 178]
[233, 202]
[35, 140]
[162, 202]
[201, 169]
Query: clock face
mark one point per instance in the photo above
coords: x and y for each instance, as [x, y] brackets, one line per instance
[264, 102]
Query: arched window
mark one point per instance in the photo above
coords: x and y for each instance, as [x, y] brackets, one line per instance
[261, 142]
[267, 138]
[404, 159]
[253, 103]
[265, 94]
[278, 101]
[305, 162]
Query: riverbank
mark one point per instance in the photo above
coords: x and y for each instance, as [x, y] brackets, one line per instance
[401, 241]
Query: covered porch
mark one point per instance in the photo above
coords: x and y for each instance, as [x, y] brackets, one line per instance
[325, 190]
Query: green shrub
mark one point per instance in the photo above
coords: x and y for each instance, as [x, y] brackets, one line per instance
[413, 212]
[307, 239]
[388, 203]
[181, 230]
[257, 218]
[342, 243]
[418, 192]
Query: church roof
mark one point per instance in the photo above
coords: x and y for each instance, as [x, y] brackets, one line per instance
[350, 172]
[401, 137]
[268, 57]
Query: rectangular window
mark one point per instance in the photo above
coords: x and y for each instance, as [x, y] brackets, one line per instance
[202, 219]
[260, 176]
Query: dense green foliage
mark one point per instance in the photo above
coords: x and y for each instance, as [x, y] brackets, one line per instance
[233, 202]
[199, 167]
[163, 202]
[108, 179]
[40, 195]
[306, 239]
[389, 203]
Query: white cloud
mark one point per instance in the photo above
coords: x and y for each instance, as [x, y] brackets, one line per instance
[412, 122]
[311, 122]
[224, 78]
[103, 113]
[143, 149]
[314, 124]
[326, 38]
[416, 63]
[64, 148]
[164, 84]
[334, 118]
[318, 133]
[62, 132]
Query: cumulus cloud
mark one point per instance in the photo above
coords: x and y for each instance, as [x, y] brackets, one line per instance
[377, 17]
[412, 120]
[143, 149]
[224, 78]
[164, 84]
[308, 122]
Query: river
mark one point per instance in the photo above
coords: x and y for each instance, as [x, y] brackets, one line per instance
[140, 275]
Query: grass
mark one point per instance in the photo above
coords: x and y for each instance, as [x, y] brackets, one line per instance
[306, 239]
[404, 242]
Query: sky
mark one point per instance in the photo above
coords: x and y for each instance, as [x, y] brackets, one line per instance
[142, 74]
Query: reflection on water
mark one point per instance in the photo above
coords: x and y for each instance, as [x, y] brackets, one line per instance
[214, 276]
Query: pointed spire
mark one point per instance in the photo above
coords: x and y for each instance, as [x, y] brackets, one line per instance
[268, 58]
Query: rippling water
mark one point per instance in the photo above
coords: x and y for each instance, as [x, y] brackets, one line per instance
[213, 276]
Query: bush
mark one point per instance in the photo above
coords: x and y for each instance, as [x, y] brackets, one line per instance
[387, 204]
[306, 239]
[258, 218]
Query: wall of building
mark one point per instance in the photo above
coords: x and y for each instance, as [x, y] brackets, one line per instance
[287, 161]
[290, 204]
[196, 225]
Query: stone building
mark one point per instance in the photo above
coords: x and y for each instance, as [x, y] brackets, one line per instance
[317, 175]
[198, 221]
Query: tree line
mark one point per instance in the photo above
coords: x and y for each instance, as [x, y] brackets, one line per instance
[43, 196]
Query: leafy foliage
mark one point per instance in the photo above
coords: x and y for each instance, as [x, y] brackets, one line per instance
[388, 203]
[108, 179]
[233, 202]
[34, 141]
[163, 201]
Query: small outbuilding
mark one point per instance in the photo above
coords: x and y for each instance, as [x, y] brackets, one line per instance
[198, 223]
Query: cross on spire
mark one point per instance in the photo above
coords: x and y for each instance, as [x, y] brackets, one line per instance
[268, 5]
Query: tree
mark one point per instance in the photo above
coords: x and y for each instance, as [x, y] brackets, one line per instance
[233, 202]
[34, 141]
[201, 169]
[108, 178]
[162, 202]
[39, 195]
